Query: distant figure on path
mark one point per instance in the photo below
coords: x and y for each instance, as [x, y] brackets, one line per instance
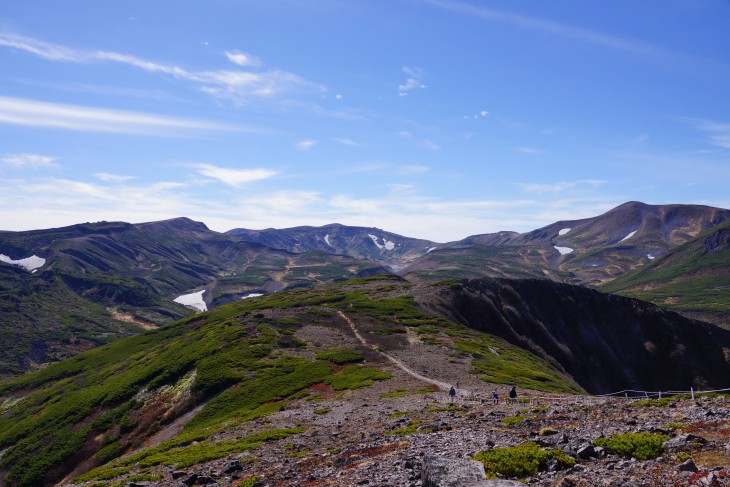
[513, 394]
[452, 393]
[495, 397]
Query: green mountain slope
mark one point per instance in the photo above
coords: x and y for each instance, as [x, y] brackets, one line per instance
[198, 390]
[101, 281]
[236, 363]
[693, 279]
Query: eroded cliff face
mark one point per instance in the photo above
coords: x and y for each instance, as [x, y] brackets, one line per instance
[605, 342]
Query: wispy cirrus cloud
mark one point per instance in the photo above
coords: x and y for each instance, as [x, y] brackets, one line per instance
[346, 141]
[113, 178]
[412, 82]
[527, 150]
[28, 160]
[234, 177]
[413, 169]
[19, 111]
[559, 187]
[305, 145]
[243, 59]
[236, 86]
[716, 133]
[550, 27]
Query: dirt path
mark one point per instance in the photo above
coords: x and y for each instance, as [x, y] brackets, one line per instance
[441, 385]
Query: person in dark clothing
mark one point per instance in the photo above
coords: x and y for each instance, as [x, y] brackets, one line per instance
[452, 393]
[513, 394]
[495, 397]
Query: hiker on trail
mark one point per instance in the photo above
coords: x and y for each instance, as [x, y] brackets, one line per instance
[495, 397]
[513, 394]
[452, 393]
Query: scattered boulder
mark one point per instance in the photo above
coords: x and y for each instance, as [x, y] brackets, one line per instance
[234, 466]
[452, 472]
[688, 466]
[586, 452]
[682, 440]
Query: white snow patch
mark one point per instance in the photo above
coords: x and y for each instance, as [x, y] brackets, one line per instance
[194, 300]
[327, 240]
[252, 295]
[432, 248]
[563, 250]
[387, 244]
[375, 240]
[628, 236]
[29, 263]
[650, 257]
[564, 231]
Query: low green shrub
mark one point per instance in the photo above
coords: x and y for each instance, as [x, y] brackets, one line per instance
[521, 461]
[354, 377]
[412, 427]
[515, 420]
[339, 356]
[651, 403]
[642, 446]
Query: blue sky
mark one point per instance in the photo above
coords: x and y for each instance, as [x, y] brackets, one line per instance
[436, 119]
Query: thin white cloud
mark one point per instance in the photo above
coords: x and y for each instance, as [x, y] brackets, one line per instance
[413, 169]
[243, 59]
[430, 145]
[234, 177]
[527, 150]
[559, 187]
[305, 145]
[556, 28]
[45, 50]
[481, 114]
[510, 124]
[346, 141]
[413, 80]
[28, 160]
[716, 133]
[18, 111]
[238, 87]
[339, 96]
[112, 178]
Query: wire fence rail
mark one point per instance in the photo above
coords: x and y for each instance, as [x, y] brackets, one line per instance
[627, 395]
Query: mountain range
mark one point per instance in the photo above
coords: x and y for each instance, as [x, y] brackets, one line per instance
[69, 289]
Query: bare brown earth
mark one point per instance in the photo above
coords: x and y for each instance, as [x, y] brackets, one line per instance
[130, 318]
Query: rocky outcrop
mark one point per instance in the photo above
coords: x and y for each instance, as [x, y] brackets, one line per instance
[452, 472]
[607, 343]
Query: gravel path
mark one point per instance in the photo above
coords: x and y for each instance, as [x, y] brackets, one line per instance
[398, 363]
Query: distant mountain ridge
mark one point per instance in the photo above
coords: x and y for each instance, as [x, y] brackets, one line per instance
[100, 281]
[589, 251]
[693, 279]
[359, 242]
[90, 283]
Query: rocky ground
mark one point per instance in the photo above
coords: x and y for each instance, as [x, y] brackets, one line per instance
[381, 435]
[364, 438]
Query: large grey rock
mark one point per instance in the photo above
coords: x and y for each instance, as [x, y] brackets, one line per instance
[688, 466]
[683, 440]
[452, 472]
[586, 451]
